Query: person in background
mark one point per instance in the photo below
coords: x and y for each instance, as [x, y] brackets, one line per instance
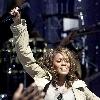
[32, 92]
[55, 72]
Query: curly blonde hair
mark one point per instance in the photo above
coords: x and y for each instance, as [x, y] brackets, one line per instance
[46, 62]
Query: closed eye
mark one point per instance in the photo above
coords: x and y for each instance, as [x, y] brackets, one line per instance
[58, 61]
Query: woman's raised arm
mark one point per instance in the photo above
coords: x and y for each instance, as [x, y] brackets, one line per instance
[24, 53]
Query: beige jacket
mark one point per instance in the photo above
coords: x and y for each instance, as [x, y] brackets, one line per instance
[41, 76]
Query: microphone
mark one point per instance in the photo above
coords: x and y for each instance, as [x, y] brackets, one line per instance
[9, 17]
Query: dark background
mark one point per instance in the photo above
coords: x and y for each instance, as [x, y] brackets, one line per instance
[44, 19]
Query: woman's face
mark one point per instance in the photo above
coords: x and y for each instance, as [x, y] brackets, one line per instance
[61, 64]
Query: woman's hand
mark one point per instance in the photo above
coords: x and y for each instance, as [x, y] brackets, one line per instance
[16, 15]
[30, 93]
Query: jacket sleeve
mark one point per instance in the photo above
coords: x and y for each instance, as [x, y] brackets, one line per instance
[90, 95]
[80, 86]
[24, 53]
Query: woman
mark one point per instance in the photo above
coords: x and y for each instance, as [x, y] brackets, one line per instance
[58, 72]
